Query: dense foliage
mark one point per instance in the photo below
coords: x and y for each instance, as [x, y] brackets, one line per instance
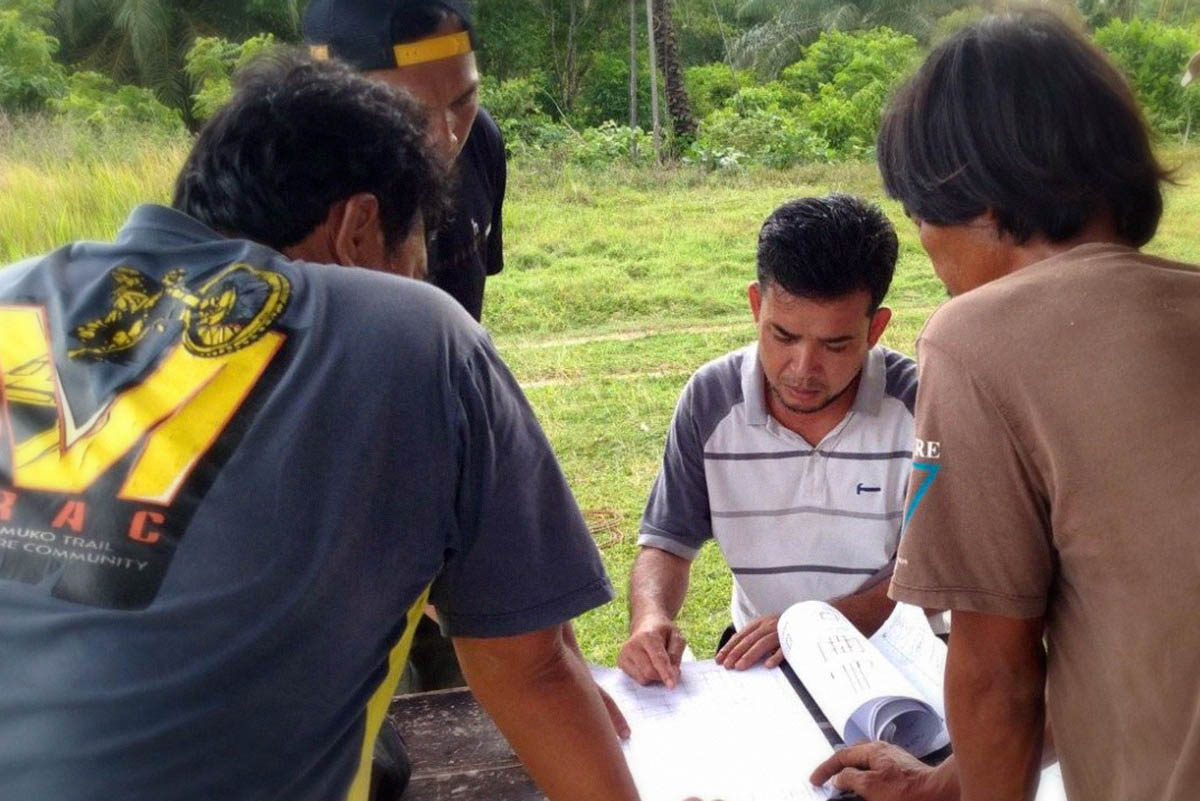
[769, 83]
[29, 76]
[1152, 55]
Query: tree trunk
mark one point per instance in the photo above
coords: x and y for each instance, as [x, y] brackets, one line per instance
[682, 120]
[633, 65]
[654, 115]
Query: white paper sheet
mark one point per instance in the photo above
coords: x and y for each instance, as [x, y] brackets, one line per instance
[862, 693]
[739, 735]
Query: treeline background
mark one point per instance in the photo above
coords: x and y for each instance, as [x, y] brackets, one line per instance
[765, 82]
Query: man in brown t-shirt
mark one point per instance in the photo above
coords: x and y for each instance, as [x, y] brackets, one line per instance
[1055, 497]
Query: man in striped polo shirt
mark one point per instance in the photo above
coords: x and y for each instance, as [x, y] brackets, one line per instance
[793, 454]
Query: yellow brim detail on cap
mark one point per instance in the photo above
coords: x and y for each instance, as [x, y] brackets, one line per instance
[435, 49]
[319, 52]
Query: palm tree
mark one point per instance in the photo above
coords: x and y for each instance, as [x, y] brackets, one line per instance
[683, 122]
[771, 45]
[144, 41]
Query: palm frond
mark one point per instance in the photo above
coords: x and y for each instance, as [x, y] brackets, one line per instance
[148, 25]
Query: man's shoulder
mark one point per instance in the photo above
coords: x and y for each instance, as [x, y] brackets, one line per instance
[715, 388]
[486, 125]
[387, 310]
[900, 377]
[723, 372]
[485, 146]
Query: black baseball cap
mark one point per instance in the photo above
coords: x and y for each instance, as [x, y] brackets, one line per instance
[365, 33]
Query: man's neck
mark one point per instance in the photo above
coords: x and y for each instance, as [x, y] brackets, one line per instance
[1098, 231]
[813, 426]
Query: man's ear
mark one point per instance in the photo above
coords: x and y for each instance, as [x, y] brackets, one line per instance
[879, 324]
[358, 232]
[754, 293]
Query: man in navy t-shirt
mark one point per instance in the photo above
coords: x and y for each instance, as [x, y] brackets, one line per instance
[232, 475]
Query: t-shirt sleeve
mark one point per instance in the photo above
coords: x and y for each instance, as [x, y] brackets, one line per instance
[495, 240]
[677, 517]
[520, 558]
[977, 535]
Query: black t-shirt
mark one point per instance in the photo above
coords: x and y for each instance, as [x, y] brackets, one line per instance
[469, 246]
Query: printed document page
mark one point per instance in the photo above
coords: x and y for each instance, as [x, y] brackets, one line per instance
[741, 735]
[906, 641]
[862, 693]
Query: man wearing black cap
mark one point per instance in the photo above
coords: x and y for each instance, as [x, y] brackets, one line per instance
[426, 47]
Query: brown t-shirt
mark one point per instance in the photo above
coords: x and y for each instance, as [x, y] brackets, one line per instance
[1057, 473]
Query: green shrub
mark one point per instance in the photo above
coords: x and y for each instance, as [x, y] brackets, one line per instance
[605, 92]
[100, 103]
[709, 86]
[610, 142]
[605, 144]
[845, 79]
[771, 138]
[1153, 57]
[28, 75]
[516, 106]
[34, 13]
[210, 64]
[774, 96]
[853, 60]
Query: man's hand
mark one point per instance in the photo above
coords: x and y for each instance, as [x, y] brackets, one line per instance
[620, 724]
[758, 640]
[883, 772]
[653, 652]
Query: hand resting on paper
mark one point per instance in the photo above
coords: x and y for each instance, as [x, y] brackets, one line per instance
[653, 652]
[880, 771]
[758, 640]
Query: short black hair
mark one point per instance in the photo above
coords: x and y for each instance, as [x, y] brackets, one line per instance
[301, 135]
[828, 247]
[1022, 115]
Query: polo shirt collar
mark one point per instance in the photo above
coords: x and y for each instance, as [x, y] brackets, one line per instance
[159, 226]
[868, 401]
[754, 387]
[873, 386]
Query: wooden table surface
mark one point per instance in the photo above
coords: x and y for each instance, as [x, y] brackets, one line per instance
[457, 753]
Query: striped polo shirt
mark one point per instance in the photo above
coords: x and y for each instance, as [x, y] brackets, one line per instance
[794, 522]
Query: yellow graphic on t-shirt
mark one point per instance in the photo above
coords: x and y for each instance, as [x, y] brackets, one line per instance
[179, 409]
[225, 313]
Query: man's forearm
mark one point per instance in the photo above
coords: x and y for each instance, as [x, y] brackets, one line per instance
[657, 585]
[552, 715]
[867, 609]
[995, 707]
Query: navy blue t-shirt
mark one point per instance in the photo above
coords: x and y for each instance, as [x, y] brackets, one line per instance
[227, 481]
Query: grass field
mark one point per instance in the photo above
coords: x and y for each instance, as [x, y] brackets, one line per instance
[618, 285]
